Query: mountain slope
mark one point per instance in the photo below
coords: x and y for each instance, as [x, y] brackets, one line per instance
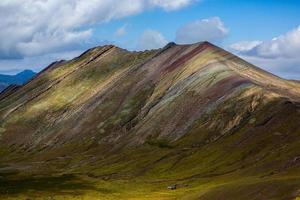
[192, 115]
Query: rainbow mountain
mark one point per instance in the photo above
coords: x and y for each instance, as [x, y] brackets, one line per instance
[181, 122]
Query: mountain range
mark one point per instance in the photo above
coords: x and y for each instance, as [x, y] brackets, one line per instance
[181, 122]
[18, 79]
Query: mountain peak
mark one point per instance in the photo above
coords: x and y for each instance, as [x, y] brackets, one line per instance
[180, 113]
[18, 79]
[26, 72]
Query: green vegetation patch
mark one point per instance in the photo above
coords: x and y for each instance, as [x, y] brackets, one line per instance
[161, 143]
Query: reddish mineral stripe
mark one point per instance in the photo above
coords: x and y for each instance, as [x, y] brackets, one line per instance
[183, 59]
[224, 87]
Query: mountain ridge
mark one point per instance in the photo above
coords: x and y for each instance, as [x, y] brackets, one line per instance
[18, 79]
[185, 114]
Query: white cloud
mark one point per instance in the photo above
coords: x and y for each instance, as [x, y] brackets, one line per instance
[212, 29]
[151, 39]
[170, 4]
[34, 27]
[279, 55]
[245, 45]
[121, 31]
[42, 43]
[287, 45]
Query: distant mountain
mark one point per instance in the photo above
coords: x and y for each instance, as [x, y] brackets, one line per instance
[3, 86]
[18, 79]
[182, 122]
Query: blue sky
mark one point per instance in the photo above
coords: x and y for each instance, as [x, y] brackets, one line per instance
[246, 19]
[33, 33]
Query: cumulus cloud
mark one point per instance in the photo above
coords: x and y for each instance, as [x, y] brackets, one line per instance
[170, 4]
[212, 29]
[151, 39]
[245, 46]
[279, 55]
[287, 45]
[34, 27]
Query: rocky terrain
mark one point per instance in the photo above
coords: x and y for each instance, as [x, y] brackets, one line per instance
[182, 122]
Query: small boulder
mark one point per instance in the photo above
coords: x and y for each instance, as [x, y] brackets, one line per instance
[172, 187]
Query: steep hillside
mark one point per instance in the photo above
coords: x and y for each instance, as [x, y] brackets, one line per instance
[114, 124]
